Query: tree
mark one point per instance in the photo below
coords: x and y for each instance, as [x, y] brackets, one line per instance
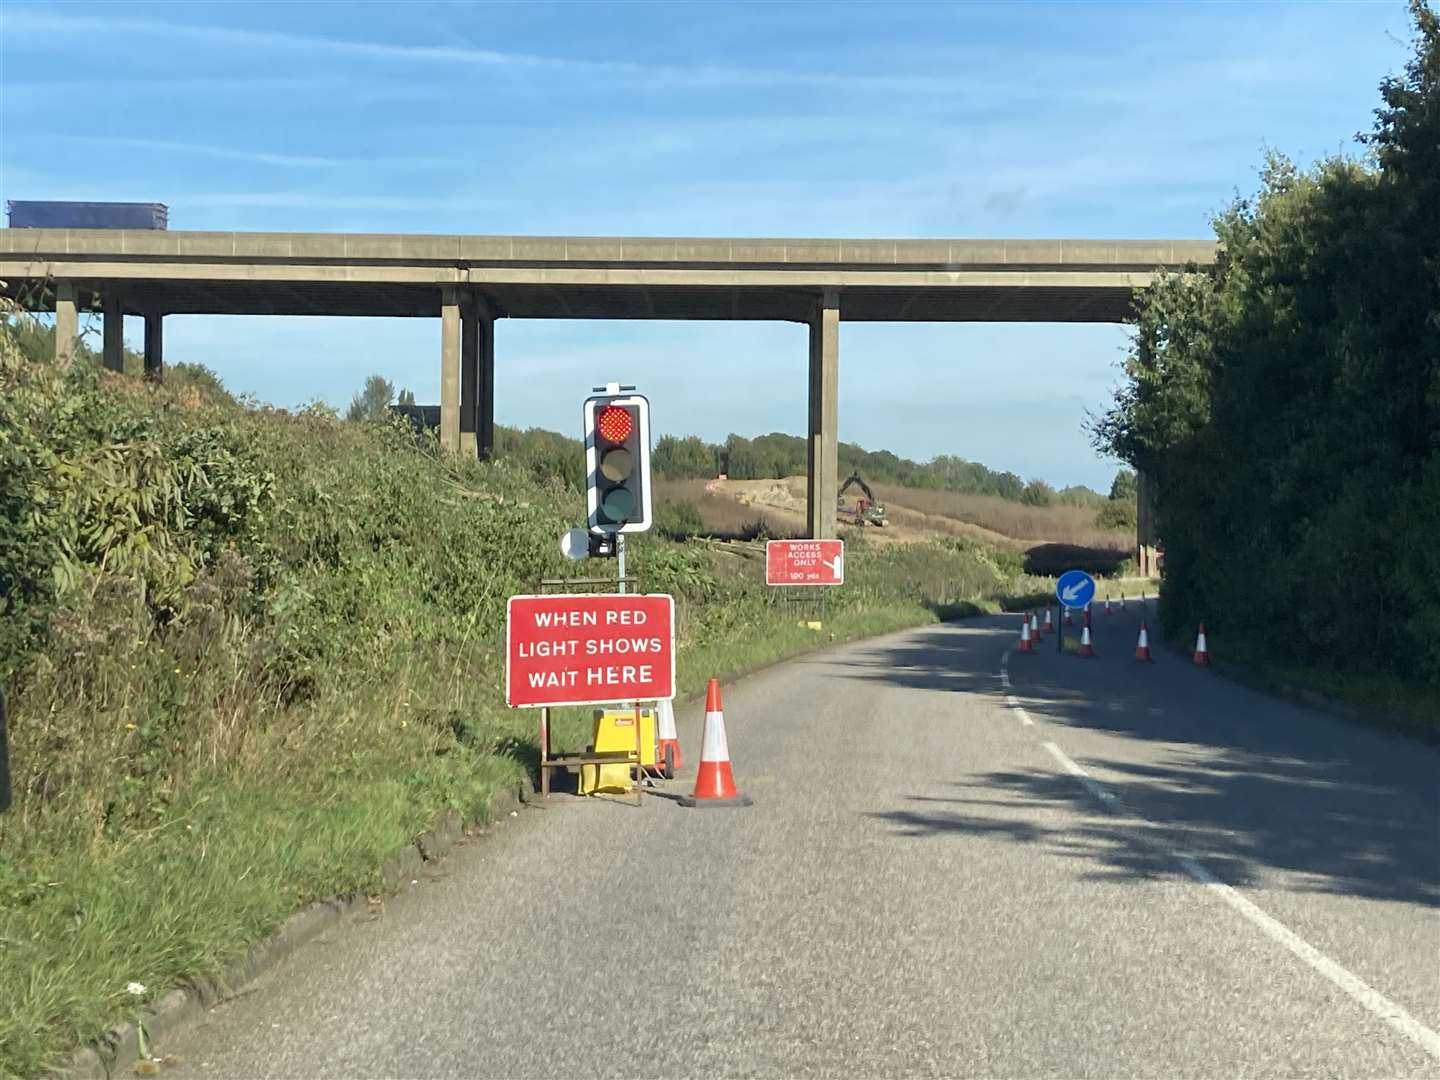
[1037, 493]
[372, 400]
[1123, 486]
[682, 459]
[1116, 514]
[1287, 405]
[406, 398]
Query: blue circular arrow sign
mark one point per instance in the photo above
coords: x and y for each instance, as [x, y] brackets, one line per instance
[1075, 588]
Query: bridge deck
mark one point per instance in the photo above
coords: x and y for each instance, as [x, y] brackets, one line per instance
[595, 277]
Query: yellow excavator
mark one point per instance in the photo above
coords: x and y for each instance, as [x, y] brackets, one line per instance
[866, 510]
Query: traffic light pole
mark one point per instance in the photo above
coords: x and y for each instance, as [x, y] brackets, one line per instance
[620, 559]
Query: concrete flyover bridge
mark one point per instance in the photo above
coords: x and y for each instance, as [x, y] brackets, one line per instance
[470, 281]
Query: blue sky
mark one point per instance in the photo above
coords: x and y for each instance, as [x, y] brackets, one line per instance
[821, 119]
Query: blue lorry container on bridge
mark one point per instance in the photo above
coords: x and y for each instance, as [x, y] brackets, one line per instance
[87, 215]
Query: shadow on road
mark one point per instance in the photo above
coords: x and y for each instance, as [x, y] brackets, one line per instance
[939, 659]
[1247, 783]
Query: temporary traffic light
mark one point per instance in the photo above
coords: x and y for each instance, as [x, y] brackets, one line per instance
[617, 462]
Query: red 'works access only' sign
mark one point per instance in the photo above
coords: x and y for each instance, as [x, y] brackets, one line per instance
[805, 562]
[589, 649]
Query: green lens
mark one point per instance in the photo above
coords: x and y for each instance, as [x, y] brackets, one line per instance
[616, 464]
[618, 504]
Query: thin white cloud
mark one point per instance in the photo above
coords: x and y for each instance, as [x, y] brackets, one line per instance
[22, 96]
[229, 153]
[324, 201]
[232, 153]
[320, 200]
[46, 24]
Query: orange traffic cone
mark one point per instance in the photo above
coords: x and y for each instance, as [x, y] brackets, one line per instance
[714, 783]
[667, 745]
[1107, 606]
[1068, 621]
[1085, 649]
[1034, 627]
[1142, 647]
[1049, 626]
[1202, 655]
[1122, 601]
[1026, 645]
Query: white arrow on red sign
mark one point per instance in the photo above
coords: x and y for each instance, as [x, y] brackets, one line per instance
[805, 562]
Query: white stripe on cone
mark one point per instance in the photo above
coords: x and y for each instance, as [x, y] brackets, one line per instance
[714, 747]
[667, 722]
[1142, 647]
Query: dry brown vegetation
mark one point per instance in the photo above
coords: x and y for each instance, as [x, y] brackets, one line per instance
[1052, 538]
[1073, 525]
[726, 517]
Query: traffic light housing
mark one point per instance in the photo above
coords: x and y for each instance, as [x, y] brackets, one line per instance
[617, 463]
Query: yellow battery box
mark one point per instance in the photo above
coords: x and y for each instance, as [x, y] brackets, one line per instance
[615, 730]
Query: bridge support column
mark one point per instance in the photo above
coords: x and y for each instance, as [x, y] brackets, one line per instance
[1145, 542]
[450, 405]
[469, 373]
[485, 407]
[154, 345]
[477, 378]
[113, 352]
[822, 449]
[67, 323]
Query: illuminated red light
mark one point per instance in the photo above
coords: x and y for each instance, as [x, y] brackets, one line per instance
[615, 424]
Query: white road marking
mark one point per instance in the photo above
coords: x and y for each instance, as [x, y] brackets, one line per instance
[1010, 698]
[1081, 775]
[1019, 710]
[1358, 990]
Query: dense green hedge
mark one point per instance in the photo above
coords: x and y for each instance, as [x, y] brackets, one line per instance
[1289, 405]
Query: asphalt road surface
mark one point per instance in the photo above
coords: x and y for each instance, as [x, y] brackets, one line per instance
[961, 861]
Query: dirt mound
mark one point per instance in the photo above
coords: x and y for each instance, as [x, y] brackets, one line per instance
[782, 502]
[914, 515]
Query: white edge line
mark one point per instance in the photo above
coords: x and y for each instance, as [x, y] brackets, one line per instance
[1010, 698]
[1360, 991]
[1019, 710]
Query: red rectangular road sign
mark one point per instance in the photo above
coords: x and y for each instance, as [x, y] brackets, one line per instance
[589, 649]
[805, 562]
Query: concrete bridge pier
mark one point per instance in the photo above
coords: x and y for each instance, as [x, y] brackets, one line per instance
[477, 377]
[67, 323]
[113, 350]
[467, 373]
[822, 447]
[154, 344]
[112, 303]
